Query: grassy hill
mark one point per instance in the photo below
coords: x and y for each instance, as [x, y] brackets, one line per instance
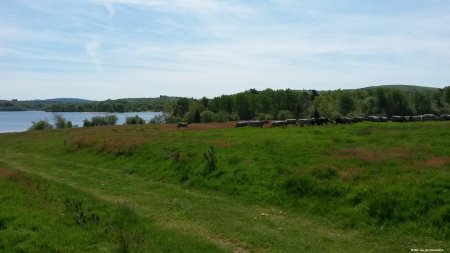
[365, 187]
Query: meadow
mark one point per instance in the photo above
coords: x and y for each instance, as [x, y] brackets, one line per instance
[365, 187]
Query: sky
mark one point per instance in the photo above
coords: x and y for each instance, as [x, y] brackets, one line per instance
[109, 49]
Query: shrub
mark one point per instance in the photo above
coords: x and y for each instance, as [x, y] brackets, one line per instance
[87, 123]
[211, 161]
[158, 119]
[40, 125]
[207, 116]
[111, 119]
[61, 122]
[284, 114]
[234, 117]
[99, 121]
[108, 120]
[173, 119]
[222, 116]
[134, 120]
[263, 116]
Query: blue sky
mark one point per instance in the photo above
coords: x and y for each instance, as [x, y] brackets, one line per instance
[100, 49]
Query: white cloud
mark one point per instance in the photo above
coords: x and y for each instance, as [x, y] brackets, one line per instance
[92, 50]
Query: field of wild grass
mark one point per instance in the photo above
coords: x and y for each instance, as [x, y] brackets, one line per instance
[367, 187]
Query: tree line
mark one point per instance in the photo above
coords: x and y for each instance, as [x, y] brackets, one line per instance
[272, 104]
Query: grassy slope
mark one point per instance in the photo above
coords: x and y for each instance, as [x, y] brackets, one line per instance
[41, 216]
[366, 187]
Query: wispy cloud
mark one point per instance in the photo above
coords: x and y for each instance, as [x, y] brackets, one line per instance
[92, 50]
[160, 46]
[109, 6]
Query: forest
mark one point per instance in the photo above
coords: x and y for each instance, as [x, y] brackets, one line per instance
[271, 104]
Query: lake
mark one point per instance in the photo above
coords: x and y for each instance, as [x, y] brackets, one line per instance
[21, 121]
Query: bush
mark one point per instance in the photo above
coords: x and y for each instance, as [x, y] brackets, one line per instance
[108, 120]
[234, 117]
[87, 123]
[263, 116]
[61, 122]
[207, 117]
[158, 119]
[134, 120]
[284, 114]
[222, 116]
[99, 121]
[40, 125]
[111, 119]
[173, 119]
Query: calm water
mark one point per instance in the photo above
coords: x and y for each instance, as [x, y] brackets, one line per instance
[21, 121]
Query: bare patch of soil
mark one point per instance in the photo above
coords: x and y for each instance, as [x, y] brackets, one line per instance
[19, 177]
[437, 161]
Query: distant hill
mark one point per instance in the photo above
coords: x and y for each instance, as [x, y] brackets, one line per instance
[38, 104]
[69, 100]
[84, 105]
[403, 87]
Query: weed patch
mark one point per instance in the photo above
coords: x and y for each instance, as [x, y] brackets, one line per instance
[82, 215]
[211, 161]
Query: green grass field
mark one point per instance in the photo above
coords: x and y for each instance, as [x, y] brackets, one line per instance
[367, 187]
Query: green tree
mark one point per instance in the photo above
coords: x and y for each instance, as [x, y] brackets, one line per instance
[446, 94]
[397, 103]
[346, 103]
[421, 103]
[182, 107]
[204, 102]
[243, 106]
